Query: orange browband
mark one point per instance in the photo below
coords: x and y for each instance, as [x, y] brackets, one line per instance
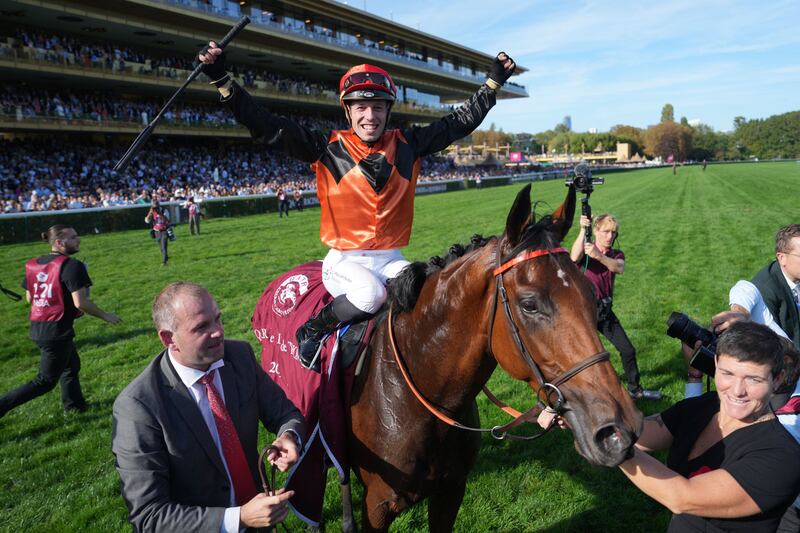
[524, 257]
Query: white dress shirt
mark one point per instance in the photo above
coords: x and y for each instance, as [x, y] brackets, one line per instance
[748, 296]
[190, 377]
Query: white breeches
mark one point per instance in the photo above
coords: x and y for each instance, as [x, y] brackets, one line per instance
[361, 275]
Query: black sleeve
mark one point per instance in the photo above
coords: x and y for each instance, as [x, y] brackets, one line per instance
[74, 275]
[771, 469]
[439, 135]
[277, 132]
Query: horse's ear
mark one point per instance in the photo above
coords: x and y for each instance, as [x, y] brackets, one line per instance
[519, 216]
[562, 217]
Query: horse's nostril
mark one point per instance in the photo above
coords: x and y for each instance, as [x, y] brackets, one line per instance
[611, 439]
[606, 433]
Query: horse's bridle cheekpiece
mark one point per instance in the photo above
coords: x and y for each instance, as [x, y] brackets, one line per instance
[548, 387]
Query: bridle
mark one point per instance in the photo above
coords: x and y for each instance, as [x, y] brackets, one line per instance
[548, 387]
[500, 293]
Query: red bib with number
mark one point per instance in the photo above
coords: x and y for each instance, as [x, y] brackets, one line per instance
[44, 284]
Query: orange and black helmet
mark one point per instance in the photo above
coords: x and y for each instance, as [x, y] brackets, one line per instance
[367, 82]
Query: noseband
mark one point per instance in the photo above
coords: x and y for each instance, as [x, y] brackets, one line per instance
[501, 432]
[501, 294]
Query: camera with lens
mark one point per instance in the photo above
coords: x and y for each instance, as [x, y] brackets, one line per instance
[683, 328]
[170, 233]
[583, 180]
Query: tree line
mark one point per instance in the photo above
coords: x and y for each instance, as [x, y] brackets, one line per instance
[777, 136]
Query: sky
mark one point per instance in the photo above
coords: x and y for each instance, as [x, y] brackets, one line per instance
[618, 62]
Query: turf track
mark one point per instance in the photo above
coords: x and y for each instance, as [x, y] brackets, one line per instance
[687, 239]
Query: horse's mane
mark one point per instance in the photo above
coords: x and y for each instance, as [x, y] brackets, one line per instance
[405, 288]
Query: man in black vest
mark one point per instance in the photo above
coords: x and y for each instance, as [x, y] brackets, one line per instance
[57, 287]
[779, 282]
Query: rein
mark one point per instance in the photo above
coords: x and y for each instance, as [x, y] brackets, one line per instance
[501, 432]
[269, 487]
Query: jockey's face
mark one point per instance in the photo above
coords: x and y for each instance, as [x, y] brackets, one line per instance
[368, 118]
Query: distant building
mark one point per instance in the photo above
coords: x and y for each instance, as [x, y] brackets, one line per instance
[592, 130]
[623, 151]
[567, 122]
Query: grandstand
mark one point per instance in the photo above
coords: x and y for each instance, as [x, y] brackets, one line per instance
[88, 74]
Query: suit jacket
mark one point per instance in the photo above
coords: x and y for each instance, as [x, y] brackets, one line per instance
[173, 478]
[778, 296]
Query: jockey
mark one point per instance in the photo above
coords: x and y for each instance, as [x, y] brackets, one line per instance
[366, 180]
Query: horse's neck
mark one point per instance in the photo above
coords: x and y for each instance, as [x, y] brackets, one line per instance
[446, 335]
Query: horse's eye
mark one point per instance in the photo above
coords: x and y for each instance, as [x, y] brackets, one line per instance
[529, 306]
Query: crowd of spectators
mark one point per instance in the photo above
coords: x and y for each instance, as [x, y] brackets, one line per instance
[63, 49]
[56, 173]
[60, 174]
[67, 50]
[22, 103]
[53, 173]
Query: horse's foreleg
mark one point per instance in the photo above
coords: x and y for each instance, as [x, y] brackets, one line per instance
[444, 503]
[348, 523]
[379, 508]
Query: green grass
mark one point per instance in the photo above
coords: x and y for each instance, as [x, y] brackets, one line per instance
[687, 239]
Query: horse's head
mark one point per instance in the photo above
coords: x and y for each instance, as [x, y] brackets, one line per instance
[551, 303]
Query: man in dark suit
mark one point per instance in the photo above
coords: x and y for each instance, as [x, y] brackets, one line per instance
[779, 282]
[185, 430]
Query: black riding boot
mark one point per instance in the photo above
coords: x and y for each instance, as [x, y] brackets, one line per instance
[310, 335]
[330, 317]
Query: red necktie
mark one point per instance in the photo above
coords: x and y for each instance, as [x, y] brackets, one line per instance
[244, 487]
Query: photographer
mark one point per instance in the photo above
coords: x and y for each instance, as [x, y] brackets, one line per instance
[731, 466]
[193, 210]
[283, 203]
[57, 287]
[159, 218]
[298, 199]
[602, 263]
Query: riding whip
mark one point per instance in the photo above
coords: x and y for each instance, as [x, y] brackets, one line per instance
[122, 164]
[11, 294]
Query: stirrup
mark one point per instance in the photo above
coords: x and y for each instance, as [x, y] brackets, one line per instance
[314, 363]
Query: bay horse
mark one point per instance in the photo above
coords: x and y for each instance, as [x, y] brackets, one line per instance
[517, 301]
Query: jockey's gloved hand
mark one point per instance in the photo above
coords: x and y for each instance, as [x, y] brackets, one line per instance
[500, 70]
[215, 70]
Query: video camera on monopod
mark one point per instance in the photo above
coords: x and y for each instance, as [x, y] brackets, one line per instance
[584, 183]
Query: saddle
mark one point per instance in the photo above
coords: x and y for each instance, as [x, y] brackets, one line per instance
[323, 398]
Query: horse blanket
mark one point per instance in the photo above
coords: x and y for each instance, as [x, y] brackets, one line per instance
[284, 306]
